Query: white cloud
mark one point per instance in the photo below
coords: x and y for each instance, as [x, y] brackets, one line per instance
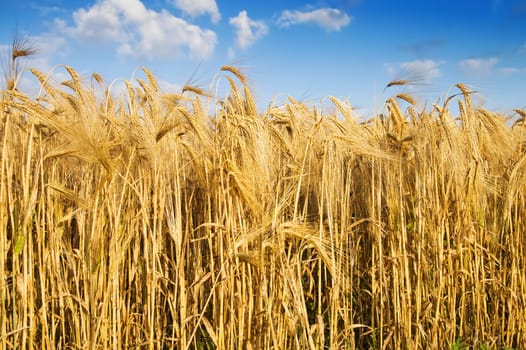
[418, 70]
[231, 54]
[509, 70]
[100, 22]
[47, 47]
[248, 31]
[27, 83]
[48, 44]
[390, 69]
[4, 50]
[478, 66]
[196, 8]
[512, 70]
[46, 10]
[426, 69]
[169, 87]
[138, 31]
[327, 18]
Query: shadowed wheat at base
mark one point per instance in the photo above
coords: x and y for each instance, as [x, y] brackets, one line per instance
[143, 221]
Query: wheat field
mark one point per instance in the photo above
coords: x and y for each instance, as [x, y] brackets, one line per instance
[155, 221]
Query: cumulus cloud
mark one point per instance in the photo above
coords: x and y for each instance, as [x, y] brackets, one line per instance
[138, 31]
[417, 70]
[169, 87]
[427, 69]
[478, 66]
[102, 22]
[196, 8]
[248, 31]
[48, 44]
[328, 18]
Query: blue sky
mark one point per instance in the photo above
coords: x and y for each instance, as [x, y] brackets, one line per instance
[309, 50]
